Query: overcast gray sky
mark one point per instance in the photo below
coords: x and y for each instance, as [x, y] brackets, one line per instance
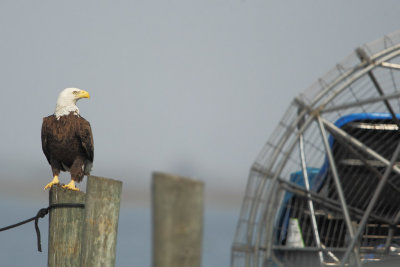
[188, 87]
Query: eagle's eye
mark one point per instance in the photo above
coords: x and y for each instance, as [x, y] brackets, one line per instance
[75, 92]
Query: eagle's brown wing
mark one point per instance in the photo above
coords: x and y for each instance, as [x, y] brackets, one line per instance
[45, 134]
[86, 137]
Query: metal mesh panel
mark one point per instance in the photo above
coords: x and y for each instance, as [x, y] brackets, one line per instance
[325, 188]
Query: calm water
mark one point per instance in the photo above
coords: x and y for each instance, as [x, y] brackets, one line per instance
[18, 246]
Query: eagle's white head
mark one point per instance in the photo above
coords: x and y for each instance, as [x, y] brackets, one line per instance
[66, 102]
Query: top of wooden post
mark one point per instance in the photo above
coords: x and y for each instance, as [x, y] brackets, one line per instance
[172, 177]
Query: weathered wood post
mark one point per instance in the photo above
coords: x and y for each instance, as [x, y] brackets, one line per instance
[65, 228]
[100, 228]
[177, 221]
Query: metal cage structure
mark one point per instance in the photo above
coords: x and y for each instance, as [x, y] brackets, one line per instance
[325, 189]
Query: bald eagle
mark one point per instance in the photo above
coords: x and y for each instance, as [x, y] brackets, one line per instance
[67, 139]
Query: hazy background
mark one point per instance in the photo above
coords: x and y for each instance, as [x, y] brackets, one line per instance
[188, 87]
[192, 88]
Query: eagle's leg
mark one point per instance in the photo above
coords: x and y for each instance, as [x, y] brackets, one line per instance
[76, 171]
[71, 186]
[53, 182]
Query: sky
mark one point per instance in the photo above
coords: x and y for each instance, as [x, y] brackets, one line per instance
[192, 88]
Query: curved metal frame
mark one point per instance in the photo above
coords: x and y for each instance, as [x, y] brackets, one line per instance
[263, 232]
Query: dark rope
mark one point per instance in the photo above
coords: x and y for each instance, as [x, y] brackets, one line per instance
[41, 213]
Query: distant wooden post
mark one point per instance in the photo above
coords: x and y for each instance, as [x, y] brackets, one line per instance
[65, 228]
[100, 229]
[177, 221]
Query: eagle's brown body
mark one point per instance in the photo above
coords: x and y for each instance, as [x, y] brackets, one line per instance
[67, 143]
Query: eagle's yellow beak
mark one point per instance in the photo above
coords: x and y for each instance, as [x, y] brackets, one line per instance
[83, 94]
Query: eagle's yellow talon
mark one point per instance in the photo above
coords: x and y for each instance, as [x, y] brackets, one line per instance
[53, 182]
[71, 186]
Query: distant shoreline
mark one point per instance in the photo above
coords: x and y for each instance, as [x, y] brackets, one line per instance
[138, 196]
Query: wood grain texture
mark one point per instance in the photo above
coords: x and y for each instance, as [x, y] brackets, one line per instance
[177, 221]
[101, 221]
[65, 228]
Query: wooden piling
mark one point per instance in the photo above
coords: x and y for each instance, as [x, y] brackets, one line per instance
[65, 228]
[100, 221]
[177, 211]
